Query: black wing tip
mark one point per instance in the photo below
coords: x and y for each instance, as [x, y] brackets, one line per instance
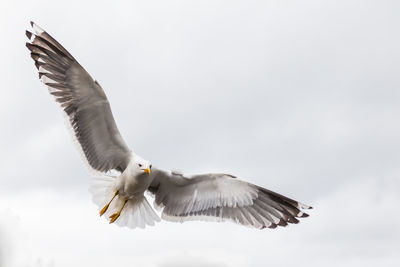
[282, 223]
[31, 46]
[304, 215]
[35, 56]
[32, 23]
[303, 206]
[28, 34]
[37, 64]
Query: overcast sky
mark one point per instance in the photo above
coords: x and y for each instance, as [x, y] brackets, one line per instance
[300, 97]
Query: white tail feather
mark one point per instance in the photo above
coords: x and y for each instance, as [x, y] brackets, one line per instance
[137, 211]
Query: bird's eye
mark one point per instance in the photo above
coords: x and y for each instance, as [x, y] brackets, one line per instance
[140, 165]
[150, 166]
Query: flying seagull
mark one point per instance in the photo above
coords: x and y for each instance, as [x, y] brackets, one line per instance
[122, 177]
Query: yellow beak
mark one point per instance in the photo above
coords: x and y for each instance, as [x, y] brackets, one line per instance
[147, 170]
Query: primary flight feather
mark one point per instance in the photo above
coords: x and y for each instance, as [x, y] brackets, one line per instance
[213, 196]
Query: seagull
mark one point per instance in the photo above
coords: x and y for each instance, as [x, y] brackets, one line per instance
[121, 178]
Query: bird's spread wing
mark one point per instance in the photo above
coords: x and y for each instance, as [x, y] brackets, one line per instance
[221, 197]
[82, 99]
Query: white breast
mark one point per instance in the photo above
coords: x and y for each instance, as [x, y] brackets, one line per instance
[133, 181]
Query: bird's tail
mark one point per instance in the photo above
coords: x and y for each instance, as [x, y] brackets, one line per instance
[136, 213]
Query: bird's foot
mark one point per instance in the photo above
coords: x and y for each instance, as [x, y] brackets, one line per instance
[114, 217]
[103, 210]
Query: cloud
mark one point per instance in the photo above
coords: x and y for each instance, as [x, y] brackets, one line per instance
[354, 224]
[301, 98]
[194, 262]
[10, 236]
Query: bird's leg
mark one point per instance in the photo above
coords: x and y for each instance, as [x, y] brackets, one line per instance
[115, 216]
[103, 210]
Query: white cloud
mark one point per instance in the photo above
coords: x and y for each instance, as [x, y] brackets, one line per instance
[353, 224]
[299, 97]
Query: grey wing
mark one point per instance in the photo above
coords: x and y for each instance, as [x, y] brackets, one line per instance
[83, 101]
[222, 197]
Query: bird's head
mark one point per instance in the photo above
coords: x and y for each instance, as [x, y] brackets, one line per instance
[142, 165]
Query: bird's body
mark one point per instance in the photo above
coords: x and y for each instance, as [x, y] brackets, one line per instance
[133, 181]
[212, 196]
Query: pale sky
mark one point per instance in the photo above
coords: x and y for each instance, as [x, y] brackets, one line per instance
[300, 97]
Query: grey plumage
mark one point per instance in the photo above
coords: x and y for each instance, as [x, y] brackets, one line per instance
[222, 197]
[83, 100]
